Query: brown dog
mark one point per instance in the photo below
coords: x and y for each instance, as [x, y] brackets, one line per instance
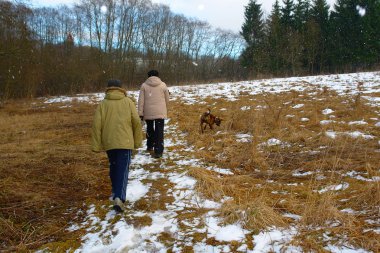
[209, 119]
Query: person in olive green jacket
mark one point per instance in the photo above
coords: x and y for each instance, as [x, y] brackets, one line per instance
[117, 130]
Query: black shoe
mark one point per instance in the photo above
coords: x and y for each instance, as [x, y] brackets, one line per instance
[156, 155]
[118, 205]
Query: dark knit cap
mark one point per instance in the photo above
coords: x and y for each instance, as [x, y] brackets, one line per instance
[153, 72]
[114, 83]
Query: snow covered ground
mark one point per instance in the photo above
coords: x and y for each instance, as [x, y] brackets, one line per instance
[369, 83]
[106, 235]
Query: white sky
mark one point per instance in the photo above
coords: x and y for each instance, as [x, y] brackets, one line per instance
[225, 14]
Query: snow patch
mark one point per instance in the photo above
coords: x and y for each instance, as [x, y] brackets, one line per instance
[298, 106]
[327, 111]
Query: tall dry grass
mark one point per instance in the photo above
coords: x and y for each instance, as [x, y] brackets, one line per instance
[263, 187]
[47, 172]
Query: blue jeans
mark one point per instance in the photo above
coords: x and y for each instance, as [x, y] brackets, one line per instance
[119, 160]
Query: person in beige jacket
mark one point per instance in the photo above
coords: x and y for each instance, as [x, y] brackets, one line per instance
[152, 107]
[117, 130]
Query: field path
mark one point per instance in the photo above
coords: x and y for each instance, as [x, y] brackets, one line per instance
[164, 211]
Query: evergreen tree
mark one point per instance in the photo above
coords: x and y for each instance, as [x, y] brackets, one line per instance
[301, 14]
[287, 14]
[253, 34]
[320, 13]
[370, 11]
[291, 39]
[318, 28]
[274, 42]
[347, 29]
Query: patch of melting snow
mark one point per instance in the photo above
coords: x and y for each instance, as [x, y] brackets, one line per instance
[292, 216]
[188, 162]
[348, 210]
[344, 249]
[357, 176]
[137, 190]
[230, 233]
[182, 181]
[374, 100]
[355, 134]
[338, 187]
[220, 170]
[245, 108]
[305, 119]
[280, 192]
[275, 142]
[327, 111]
[326, 122]
[298, 106]
[361, 122]
[273, 240]
[302, 174]
[243, 137]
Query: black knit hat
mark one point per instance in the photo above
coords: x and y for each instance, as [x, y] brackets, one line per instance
[114, 83]
[153, 72]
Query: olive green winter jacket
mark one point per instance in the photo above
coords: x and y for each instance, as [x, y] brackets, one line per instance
[116, 123]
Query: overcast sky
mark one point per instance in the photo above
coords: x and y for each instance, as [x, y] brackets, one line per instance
[225, 14]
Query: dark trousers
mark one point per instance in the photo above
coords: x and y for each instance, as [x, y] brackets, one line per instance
[119, 160]
[155, 135]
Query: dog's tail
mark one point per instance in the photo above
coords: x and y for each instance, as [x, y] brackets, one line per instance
[208, 111]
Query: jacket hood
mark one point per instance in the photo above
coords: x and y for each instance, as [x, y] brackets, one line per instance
[115, 93]
[153, 81]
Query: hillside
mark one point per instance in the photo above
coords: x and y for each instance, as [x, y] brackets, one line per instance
[294, 167]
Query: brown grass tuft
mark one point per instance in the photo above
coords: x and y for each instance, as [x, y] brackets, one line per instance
[321, 209]
[254, 214]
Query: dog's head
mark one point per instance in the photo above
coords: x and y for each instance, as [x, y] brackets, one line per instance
[218, 121]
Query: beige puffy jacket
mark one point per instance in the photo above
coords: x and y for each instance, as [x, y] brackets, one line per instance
[153, 99]
[116, 123]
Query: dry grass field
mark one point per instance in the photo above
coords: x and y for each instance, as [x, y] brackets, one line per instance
[292, 164]
[327, 183]
[47, 172]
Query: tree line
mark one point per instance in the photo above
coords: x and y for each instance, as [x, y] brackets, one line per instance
[61, 50]
[50, 51]
[305, 37]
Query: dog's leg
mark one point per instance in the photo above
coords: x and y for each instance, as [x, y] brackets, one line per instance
[210, 126]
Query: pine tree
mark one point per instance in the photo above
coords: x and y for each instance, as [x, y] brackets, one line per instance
[291, 39]
[320, 13]
[370, 11]
[301, 14]
[318, 28]
[253, 33]
[347, 29]
[274, 42]
[287, 14]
